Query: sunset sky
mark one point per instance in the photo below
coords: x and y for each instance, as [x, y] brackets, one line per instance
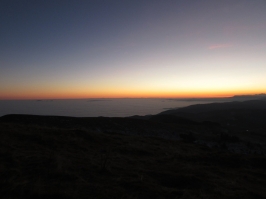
[131, 48]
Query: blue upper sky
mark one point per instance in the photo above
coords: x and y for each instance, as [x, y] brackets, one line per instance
[148, 48]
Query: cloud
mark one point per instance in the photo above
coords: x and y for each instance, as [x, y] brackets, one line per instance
[217, 46]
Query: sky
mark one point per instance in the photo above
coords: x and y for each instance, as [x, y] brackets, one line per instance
[53, 49]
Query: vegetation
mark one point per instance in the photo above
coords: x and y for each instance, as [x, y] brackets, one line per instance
[48, 158]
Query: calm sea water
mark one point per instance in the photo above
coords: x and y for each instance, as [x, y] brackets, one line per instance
[97, 107]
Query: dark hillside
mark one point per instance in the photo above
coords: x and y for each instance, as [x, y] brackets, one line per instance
[199, 108]
[235, 116]
[65, 157]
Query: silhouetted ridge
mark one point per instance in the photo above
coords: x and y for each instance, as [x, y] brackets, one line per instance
[251, 104]
[247, 114]
[256, 96]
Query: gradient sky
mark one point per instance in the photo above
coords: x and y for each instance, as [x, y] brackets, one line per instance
[137, 48]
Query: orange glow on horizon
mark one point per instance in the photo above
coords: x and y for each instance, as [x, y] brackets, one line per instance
[124, 94]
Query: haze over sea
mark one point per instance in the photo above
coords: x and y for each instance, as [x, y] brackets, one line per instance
[122, 107]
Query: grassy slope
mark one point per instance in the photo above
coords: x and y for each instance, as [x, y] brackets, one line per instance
[44, 161]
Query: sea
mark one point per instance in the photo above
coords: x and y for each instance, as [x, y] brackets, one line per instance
[99, 107]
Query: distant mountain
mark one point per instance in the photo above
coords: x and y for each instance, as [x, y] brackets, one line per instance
[249, 97]
[249, 114]
[250, 104]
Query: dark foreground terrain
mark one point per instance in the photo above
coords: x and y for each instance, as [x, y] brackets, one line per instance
[163, 156]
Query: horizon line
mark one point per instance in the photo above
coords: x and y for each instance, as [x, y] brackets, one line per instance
[87, 98]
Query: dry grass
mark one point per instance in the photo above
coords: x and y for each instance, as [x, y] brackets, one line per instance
[45, 162]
